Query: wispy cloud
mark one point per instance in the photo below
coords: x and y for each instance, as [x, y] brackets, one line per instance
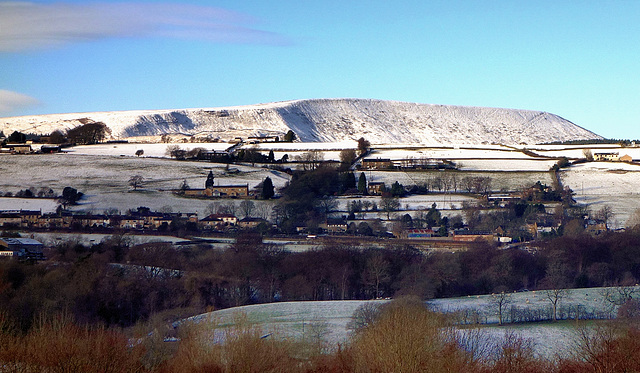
[12, 101]
[28, 26]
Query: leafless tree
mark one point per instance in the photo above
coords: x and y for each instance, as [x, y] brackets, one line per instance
[247, 207]
[500, 301]
[136, 181]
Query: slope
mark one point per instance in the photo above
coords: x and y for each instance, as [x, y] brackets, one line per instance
[324, 120]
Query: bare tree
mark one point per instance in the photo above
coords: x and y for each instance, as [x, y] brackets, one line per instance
[605, 214]
[247, 207]
[389, 204]
[136, 181]
[377, 272]
[500, 301]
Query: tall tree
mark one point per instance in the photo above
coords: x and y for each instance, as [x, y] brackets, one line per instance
[362, 184]
[267, 188]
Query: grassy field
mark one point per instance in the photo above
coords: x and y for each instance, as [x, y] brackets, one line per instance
[330, 319]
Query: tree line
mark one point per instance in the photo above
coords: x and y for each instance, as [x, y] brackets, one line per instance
[118, 283]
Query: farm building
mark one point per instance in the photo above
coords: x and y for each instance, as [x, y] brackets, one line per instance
[375, 188]
[234, 191]
[466, 235]
[21, 247]
[610, 157]
[218, 221]
[376, 164]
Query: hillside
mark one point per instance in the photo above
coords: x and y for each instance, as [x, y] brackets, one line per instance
[324, 120]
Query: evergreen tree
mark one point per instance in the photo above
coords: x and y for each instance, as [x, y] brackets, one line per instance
[362, 183]
[209, 183]
[267, 188]
[289, 136]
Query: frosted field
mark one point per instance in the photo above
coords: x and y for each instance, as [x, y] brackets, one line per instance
[150, 150]
[531, 164]
[448, 153]
[499, 180]
[42, 204]
[104, 180]
[330, 318]
[304, 146]
[412, 203]
[51, 239]
[577, 153]
[606, 183]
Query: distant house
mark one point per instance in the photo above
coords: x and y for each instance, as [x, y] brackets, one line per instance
[376, 164]
[248, 223]
[29, 217]
[335, 225]
[375, 188]
[606, 157]
[24, 248]
[257, 139]
[219, 221]
[419, 233]
[233, 191]
[131, 222]
[19, 148]
[466, 235]
[595, 227]
[626, 158]
[92, 221]
[10, 219]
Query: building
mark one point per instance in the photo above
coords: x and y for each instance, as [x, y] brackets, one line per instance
[626, 158]
[29, 217]
[375, 188]
[606, 157]
[335, 225]
[248, 223]
[219, 221]
[24, 248]
[466, 235]
[420, 233]
[93, 221]
[19, 148]
[10, 219]
[376, 164]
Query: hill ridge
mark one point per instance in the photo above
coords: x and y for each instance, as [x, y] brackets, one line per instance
[325, 120]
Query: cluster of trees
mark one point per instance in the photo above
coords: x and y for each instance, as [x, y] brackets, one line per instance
[399, 336]
[90, 133]
[310, 196]
[155, 277]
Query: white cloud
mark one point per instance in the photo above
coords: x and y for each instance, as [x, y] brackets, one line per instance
[11, 101]
[27, 26]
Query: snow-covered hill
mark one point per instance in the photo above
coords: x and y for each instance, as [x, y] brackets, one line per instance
[325, 120]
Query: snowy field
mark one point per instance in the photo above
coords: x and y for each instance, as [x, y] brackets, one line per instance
[578, 152]
[150, 150]
[34, 204]
[606, 183]
[514, 180]
[448, 153]
[296, 319]
[104, 180]
[51, 239]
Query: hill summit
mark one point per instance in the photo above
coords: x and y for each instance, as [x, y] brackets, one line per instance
[327, 120]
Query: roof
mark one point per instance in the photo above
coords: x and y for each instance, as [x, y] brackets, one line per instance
[21, 241]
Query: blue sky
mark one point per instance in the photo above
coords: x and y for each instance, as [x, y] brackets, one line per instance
[576, 59]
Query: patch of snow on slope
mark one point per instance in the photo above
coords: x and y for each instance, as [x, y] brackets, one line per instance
[329, 120]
